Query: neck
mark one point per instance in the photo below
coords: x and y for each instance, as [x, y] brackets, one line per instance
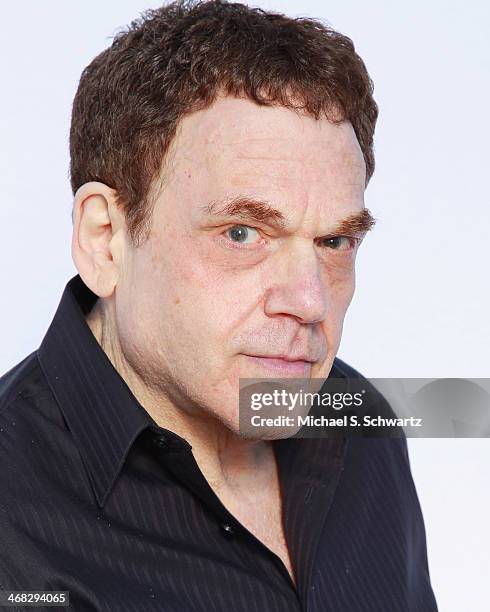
[228, 461]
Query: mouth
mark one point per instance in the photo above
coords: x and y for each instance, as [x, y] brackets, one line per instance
[284, 366]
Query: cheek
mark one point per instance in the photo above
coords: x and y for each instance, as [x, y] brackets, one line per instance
[199, 307]
[346, 292]
[340, 287]
[218, 292]
[340, 282]
[340, 269]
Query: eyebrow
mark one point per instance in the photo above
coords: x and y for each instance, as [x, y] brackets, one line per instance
[262, 212]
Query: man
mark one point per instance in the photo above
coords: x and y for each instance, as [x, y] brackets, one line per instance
[219, 157]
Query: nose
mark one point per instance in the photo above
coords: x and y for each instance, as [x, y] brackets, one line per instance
[298, 288]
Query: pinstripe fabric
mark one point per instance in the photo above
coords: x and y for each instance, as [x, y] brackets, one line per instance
[97, 499]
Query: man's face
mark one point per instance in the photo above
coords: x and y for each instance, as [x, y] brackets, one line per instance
[212, 297]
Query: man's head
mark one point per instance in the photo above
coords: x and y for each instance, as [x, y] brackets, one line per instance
[219, 156]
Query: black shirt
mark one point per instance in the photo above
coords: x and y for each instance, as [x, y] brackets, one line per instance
[98, 500]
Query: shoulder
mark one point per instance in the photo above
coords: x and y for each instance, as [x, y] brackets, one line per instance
[375, 407]
[23, 448]
[26, 398]
[29, 420]
[374, 402]
[341, 369]
[18, 379]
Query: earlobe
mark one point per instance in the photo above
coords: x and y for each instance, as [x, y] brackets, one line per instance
[94, 226]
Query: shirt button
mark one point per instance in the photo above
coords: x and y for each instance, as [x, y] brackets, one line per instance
[227, 529]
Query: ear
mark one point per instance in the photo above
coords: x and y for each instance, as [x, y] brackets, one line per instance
[98, 237]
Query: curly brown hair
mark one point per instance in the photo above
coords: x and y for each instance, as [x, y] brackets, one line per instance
[177, 59]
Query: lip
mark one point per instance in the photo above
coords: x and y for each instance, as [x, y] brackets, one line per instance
[283, 365]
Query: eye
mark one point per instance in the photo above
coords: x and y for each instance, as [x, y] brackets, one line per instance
[339, 243]
[242, 234]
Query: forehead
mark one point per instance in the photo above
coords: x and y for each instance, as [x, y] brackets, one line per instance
[269, 152]
[241, 126]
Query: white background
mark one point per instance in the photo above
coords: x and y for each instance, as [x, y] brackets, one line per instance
[422, 303]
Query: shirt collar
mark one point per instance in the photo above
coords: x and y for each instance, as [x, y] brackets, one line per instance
[103, 415]
[100, 410]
